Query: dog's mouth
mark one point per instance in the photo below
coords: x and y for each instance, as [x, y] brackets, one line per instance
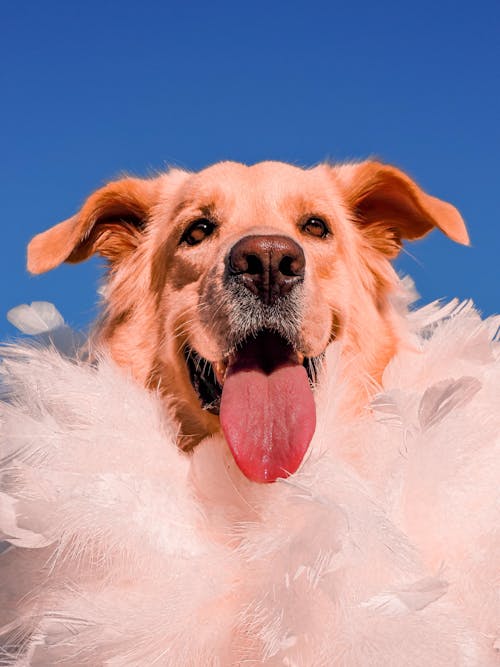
[207, 378]
[262, 391]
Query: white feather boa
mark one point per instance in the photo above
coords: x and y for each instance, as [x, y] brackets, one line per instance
[384, 549]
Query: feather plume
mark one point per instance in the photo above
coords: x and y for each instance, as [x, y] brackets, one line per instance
[381, 550]
[37, 318]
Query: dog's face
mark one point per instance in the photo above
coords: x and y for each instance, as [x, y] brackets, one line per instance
[225, 288]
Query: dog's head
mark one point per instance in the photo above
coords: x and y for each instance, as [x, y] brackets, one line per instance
[225, 287]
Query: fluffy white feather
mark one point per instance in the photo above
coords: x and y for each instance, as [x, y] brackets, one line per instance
[382, 550]
[37, 318]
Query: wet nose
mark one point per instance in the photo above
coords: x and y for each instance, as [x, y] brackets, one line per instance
[270, 266]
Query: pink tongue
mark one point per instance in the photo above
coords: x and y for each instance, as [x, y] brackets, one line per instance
[267, 410]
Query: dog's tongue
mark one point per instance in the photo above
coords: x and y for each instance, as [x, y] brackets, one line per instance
[267, 409]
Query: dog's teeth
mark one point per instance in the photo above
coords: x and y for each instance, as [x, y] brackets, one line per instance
[220, 369]
[300, 357]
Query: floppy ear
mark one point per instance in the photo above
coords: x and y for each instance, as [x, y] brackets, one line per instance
[389, 206]
[111, 223]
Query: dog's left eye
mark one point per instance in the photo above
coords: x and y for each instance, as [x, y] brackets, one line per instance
[315, 227]
[197, 231]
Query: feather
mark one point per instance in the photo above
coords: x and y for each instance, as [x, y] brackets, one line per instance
[415, 597]
[443, 397]
[37, 318]
[42, 320]
[11, 532]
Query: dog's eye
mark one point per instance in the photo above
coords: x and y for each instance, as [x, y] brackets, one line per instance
[197, 231]
[315, 227]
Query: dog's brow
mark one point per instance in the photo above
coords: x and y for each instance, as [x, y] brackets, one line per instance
[205, 210]
[179, 207]
[303, 204]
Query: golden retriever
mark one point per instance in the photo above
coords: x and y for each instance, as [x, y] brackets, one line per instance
[226, 286]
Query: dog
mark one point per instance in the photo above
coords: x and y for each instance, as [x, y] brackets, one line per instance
[225, 287]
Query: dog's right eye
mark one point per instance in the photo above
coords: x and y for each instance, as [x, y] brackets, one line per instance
[198, 231]
[315, 227]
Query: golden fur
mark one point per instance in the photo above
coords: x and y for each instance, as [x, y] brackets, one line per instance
[162, 294]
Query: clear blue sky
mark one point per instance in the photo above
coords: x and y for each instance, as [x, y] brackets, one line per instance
[92, 89]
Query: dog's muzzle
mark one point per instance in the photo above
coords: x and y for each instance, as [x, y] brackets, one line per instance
[261, 387]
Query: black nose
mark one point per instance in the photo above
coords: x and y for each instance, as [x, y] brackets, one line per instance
[268, 265]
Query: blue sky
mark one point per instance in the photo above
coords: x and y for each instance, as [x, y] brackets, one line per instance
[94, 89]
